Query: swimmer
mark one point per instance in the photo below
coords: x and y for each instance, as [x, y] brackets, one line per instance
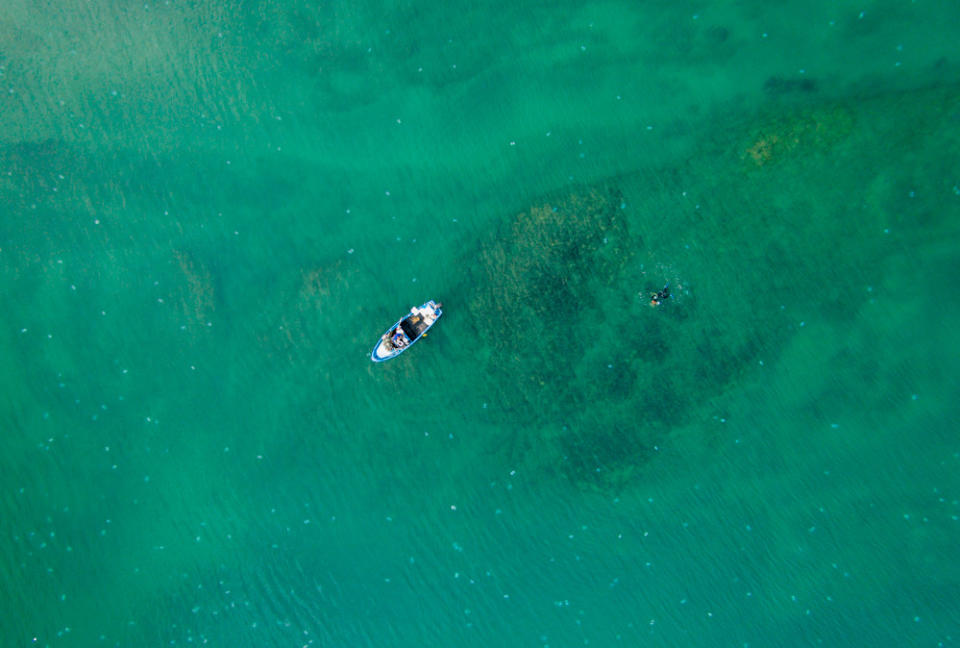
[660, 295]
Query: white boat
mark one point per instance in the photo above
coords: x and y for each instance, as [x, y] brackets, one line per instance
[407, 330]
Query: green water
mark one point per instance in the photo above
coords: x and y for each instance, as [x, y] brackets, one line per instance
[209, 212]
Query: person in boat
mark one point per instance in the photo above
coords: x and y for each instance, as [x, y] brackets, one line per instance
[428, 315]
[660, 295]
[397, 338]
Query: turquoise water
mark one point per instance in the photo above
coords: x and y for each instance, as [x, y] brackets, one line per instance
[211, 210]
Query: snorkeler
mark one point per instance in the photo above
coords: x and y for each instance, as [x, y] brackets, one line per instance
[660, 295]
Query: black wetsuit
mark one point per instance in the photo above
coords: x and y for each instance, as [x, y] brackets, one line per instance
[660, 295]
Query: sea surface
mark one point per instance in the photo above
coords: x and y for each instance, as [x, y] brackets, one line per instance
[211, 210]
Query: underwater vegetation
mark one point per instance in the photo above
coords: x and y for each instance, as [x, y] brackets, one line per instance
[777, 85]
[194, 294]
[536, 278]
[799, 133]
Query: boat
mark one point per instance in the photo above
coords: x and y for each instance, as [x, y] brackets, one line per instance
[407, 330]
